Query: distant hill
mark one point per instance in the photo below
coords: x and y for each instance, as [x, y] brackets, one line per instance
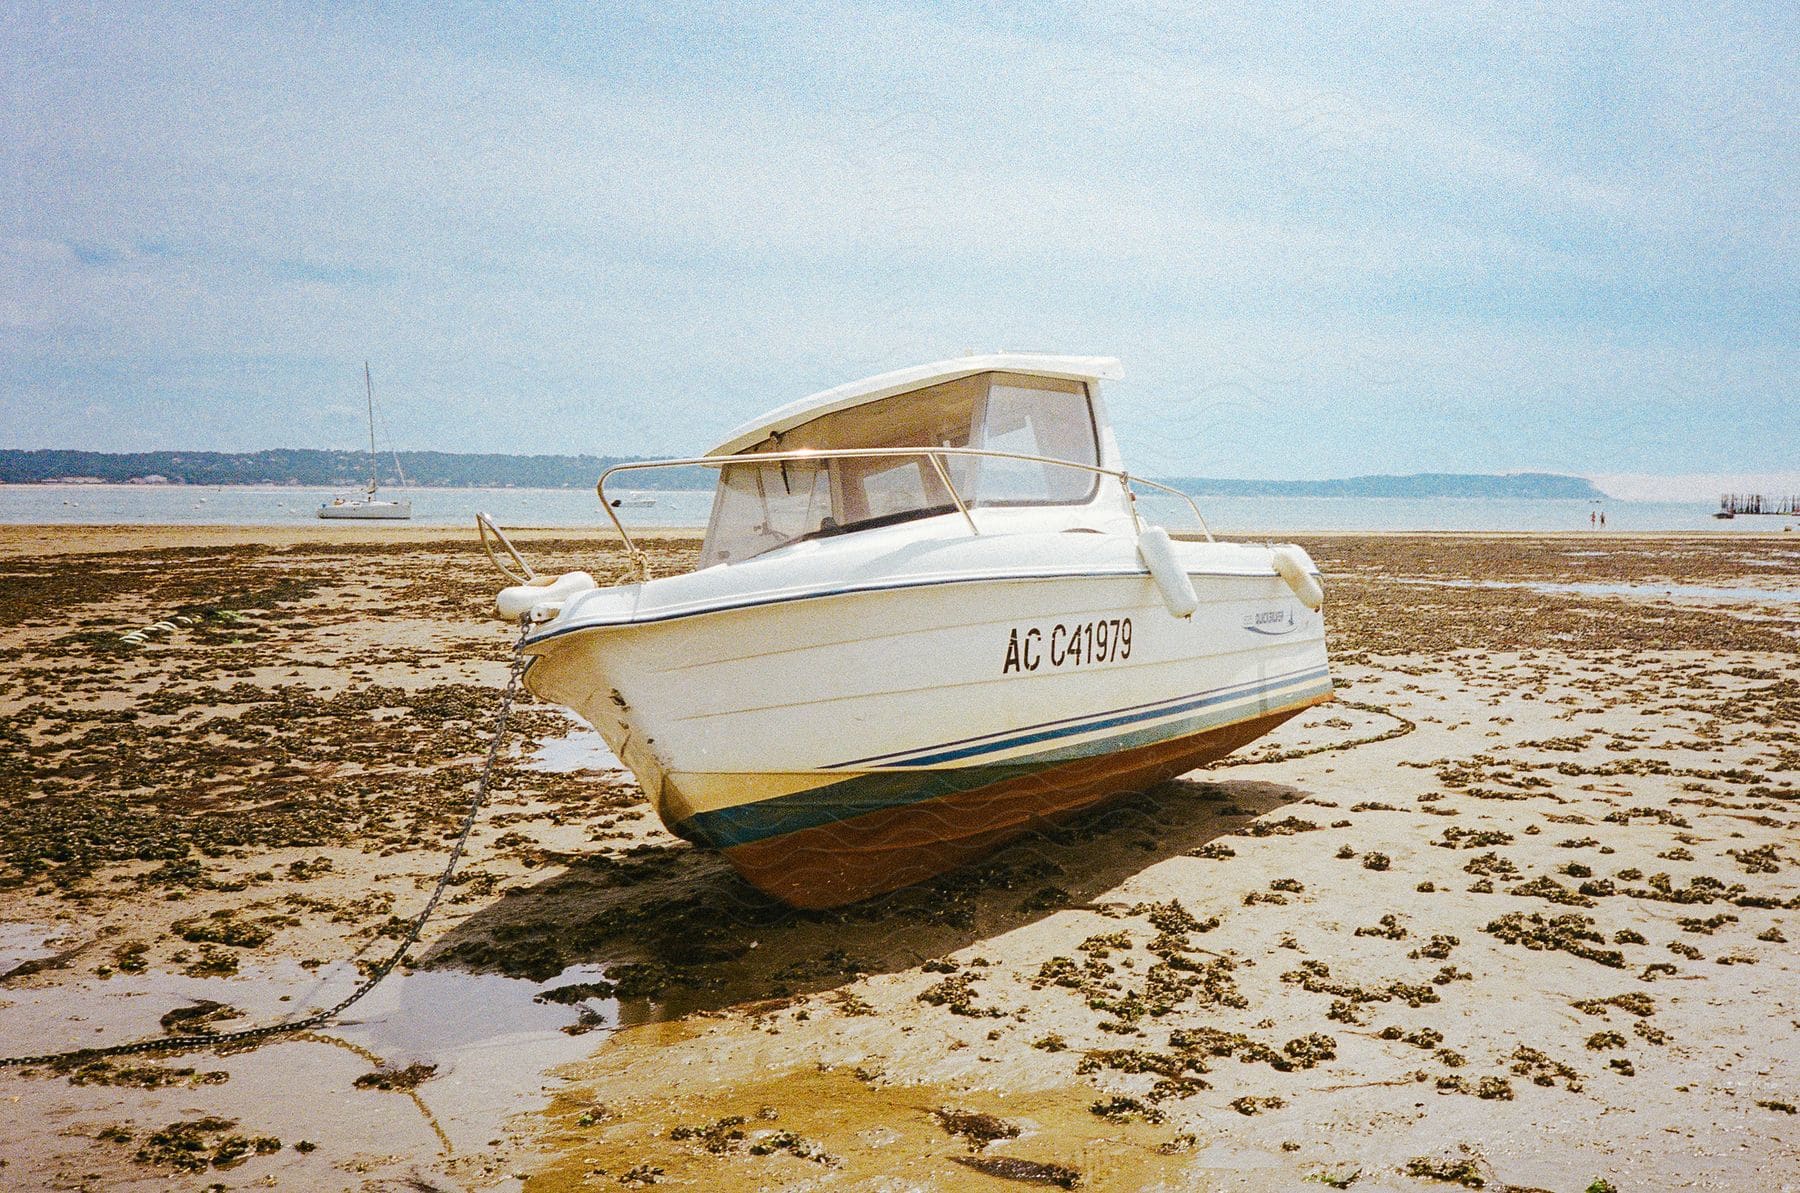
[1516, 485]
[336, 469]
[346, 469]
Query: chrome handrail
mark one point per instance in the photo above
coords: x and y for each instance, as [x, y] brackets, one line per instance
[934, 454]
[484, 526]
[943, 474]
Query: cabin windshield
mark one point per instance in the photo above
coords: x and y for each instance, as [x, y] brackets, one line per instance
[761, 506]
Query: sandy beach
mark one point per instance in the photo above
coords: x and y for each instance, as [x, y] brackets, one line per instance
[1517, 910]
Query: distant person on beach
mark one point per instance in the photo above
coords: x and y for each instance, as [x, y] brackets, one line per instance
[1591, 516]
[1603, 519]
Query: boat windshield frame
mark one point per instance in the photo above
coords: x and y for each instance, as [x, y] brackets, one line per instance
[934, 455]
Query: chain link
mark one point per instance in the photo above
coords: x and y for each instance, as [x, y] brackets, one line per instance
[1401, 728]
[225, 1038]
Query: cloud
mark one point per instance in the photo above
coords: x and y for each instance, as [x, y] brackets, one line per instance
[1324, 243]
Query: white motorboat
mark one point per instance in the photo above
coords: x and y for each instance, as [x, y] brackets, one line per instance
[370, 505]
[927, 618]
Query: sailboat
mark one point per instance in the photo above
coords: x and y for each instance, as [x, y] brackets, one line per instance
[369, 505]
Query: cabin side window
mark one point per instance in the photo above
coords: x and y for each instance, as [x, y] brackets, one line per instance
[758, 507]
[1035, 416]
[761, 505]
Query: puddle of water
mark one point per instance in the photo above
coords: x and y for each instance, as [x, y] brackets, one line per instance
[879, 1136]
[582, 749]
[1646, 591]
[442, 1012]
[492, 1043]
[1684, 591]
[20, 943]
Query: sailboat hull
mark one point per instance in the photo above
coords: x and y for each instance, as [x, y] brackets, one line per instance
[368, 510]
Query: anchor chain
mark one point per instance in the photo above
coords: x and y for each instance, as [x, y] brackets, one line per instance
[1401, 728]
[200, 1040]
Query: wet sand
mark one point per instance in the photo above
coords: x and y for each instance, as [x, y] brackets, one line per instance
[1515, 910]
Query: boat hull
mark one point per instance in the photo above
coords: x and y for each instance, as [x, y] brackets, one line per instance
[837, 747]
[379, 511]
[842, 861]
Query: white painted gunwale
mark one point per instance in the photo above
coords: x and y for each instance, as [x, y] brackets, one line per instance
[890, 561]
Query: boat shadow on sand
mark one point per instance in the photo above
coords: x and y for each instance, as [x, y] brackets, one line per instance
[678, 932]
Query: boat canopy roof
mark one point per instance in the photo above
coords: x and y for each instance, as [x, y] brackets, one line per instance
[900, 381]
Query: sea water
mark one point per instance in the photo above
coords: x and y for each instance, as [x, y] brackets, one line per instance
[275, 505]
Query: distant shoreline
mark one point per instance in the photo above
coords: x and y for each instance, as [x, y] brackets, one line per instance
[284, 487]
[312, 468]
[22, 540]
[111, 504]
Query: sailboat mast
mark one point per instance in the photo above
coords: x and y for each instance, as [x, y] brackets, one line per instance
[369, 388]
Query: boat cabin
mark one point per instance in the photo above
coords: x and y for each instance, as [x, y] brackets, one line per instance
[1044, 407]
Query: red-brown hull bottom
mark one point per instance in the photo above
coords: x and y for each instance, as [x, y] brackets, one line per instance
[847, 860]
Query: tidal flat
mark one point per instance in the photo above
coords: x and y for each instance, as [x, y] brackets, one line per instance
[1518, 910]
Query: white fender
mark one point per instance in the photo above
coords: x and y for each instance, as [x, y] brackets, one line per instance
[1290, 565]
[1171, 578]
[515, 602]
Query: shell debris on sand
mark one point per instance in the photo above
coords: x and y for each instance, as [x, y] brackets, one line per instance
[1540, 935]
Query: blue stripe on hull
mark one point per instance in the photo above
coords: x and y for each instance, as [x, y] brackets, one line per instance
[862, 794]
[1093, 722]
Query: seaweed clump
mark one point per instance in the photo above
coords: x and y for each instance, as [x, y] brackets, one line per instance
[1121, 1108]
[719, 1138]
[956, 994]
[1464, 1172]
[1542, 1069]
[400, 1080]
[976, 1129]
[1314, 977]
[1641, 1005]
[198, 1015]
[1572, 934]
[193, 1145]
[1249, 1105]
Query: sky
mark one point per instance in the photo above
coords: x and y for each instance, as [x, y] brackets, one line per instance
[1326, 240]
